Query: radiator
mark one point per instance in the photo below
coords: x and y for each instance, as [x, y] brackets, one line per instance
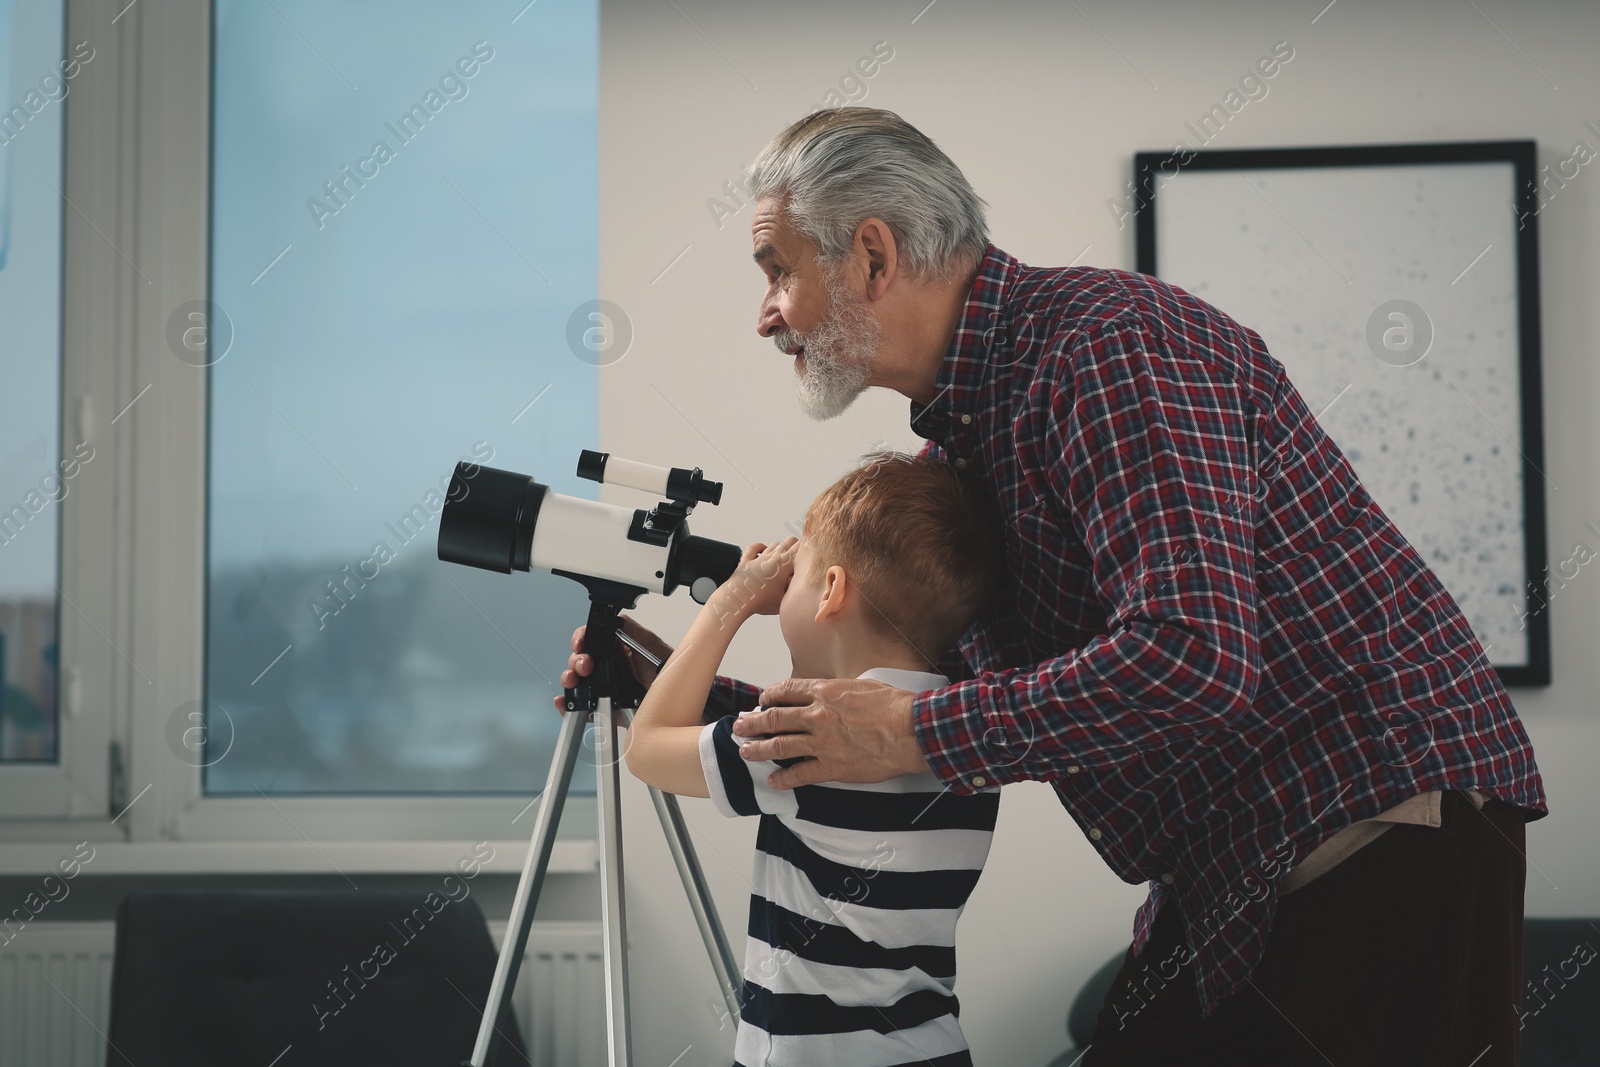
[41, 1026]
[559, 999]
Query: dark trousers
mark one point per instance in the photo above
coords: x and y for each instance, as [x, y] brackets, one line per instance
[1409, 952]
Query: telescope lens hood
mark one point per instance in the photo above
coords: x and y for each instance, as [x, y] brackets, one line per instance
[489, 517]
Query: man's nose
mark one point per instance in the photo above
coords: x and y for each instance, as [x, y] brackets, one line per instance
[768, 319]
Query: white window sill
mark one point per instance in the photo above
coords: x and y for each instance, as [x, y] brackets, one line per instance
[289, 857]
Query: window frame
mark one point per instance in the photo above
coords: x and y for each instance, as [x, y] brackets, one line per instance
[138, 163]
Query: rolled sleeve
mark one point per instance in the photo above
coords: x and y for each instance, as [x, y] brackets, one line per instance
[716, 783]
[738, 786]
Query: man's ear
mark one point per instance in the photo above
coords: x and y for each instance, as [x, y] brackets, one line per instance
[877, 242]
[835, 589]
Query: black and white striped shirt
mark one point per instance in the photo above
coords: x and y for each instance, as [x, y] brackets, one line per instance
[856, 890]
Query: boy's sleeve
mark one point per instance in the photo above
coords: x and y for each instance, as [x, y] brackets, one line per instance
[739, 786]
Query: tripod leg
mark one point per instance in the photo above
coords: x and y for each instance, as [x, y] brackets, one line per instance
[614, 928]
[543, 841]
[723, 963]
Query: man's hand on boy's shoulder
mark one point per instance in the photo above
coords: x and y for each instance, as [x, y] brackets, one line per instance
[848, 730]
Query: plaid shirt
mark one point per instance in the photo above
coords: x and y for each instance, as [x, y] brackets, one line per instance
[1211, 641]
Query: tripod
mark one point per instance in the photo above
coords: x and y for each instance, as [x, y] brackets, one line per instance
[609, 690]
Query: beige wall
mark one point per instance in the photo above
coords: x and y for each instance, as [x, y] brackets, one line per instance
[1043, 108]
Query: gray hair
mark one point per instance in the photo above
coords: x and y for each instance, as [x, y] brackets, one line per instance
[839, 166]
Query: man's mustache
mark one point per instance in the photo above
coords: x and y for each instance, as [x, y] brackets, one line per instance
[786, 340]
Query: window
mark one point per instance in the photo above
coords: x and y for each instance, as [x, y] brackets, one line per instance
[36, 472]
[403, 225]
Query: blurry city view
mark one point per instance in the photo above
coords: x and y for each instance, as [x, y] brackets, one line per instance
[400, 687]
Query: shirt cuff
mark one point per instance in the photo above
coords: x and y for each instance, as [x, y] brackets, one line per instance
[729, 696]
[945, 721]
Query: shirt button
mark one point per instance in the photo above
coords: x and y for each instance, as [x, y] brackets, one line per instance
[979, 781]
[966, 420]
[1167, 878]
[961, 464]
[1094, 834]
[1073, 769]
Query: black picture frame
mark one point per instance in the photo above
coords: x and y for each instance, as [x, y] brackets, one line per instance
[1152, 170]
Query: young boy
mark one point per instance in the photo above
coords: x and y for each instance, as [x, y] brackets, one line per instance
[856, 888]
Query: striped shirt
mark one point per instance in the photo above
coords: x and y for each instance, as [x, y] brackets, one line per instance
[855, 893]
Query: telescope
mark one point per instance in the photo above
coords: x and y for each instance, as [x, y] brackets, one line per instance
[503, 521]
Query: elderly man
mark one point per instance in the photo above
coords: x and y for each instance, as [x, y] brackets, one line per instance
[1245, 686]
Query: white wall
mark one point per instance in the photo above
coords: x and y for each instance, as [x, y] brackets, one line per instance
[1043, 108]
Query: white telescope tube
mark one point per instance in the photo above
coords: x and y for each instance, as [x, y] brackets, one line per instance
[590, 537]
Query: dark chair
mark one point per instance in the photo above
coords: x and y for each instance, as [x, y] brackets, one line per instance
[1560, 997]
[1560, 992]
[203, 978]
[1086, 1008]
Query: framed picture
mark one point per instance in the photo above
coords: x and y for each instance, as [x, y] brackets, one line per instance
[1399, 286]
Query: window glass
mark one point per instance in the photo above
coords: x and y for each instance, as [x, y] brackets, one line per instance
[404, 223]
[36, 472]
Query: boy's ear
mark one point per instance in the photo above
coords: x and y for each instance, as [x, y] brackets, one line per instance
[835, 587]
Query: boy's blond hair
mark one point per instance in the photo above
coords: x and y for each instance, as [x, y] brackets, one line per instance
[919, 539]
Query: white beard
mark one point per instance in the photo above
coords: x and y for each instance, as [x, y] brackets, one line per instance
[839, 353]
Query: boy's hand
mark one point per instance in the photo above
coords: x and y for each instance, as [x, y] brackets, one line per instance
[757, 585]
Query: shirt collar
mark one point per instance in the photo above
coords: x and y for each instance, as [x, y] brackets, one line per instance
[915, 681]
[967, 361]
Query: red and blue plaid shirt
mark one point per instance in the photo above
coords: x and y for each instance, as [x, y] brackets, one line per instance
[1211, 641]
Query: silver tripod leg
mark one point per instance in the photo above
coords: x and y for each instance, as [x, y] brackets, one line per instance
[723, 962]
[515, 942]
[613, 918]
